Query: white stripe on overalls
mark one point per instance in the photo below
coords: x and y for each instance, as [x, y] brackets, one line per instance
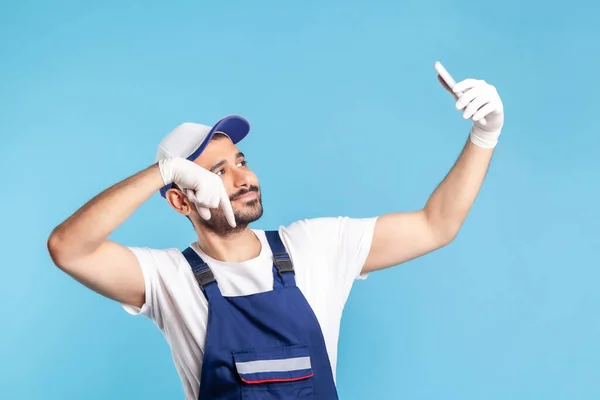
[288, 364]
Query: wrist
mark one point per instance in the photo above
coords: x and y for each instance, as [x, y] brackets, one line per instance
[167, 170]
[484, 139]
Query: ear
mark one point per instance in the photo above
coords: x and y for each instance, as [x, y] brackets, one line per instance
[179, 201]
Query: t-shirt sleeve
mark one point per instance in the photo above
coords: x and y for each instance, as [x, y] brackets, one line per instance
[339, 247]
[149, 260]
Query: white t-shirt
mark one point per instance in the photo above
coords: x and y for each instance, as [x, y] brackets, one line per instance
[327, 253]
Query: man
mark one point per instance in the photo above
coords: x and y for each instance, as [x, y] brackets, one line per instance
[248, 313]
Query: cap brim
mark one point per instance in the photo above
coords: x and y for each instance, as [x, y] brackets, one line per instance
[234, 126]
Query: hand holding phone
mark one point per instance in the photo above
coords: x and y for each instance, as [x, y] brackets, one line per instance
[479, 102]
[451, 83]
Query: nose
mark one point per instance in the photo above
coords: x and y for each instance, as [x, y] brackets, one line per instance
[241, 179]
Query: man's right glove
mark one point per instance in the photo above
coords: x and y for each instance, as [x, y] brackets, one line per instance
[201, 186]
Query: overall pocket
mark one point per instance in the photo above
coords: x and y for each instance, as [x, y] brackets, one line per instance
[275, 373]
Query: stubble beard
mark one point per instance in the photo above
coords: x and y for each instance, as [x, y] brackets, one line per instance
[250, 211]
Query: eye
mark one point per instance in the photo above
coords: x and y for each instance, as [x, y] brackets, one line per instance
[242, 163]
[220, 172]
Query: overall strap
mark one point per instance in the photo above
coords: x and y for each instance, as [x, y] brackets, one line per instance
[281, 260]
[204, 276]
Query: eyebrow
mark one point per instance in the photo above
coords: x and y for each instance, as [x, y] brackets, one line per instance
[222, 162]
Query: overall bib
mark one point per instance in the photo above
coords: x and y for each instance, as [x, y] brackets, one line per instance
[263, 346]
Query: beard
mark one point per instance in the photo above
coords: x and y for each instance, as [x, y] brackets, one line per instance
[246, 213]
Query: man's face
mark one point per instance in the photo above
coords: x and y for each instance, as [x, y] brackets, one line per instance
[223, 158]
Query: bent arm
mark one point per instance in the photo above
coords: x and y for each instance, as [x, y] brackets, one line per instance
[450, 203]
[400, 237]
[80, 247]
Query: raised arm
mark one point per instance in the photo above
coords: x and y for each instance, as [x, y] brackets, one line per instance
[403, 236]
[80, 247]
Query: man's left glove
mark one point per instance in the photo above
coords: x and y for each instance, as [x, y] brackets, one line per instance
[479, 99]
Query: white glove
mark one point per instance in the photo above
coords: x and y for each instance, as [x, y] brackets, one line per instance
[480, 100]
[201, 186]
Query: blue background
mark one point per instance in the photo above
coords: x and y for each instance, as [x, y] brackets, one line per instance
[348, 119]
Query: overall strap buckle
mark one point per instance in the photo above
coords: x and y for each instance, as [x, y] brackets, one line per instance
[204, 276]
[283, 263]
[281, 258]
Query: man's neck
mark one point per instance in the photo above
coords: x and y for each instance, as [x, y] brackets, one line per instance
[237, 247]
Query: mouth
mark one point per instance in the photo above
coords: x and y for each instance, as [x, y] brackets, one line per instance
[246, 197]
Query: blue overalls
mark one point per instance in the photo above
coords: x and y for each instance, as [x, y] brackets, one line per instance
[262, 346]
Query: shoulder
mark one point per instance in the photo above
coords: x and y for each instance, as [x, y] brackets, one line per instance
[306, 231]
[310, 225]
[324, 227]
[328, 234]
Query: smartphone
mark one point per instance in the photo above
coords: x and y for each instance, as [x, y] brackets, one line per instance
[446, 77]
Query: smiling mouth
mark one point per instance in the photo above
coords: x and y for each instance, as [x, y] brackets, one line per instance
[247, 196]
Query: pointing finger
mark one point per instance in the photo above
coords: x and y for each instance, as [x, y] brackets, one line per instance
[227, 209]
